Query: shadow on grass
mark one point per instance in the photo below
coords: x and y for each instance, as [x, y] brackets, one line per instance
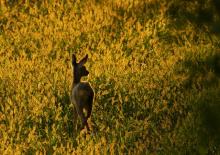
[198, 12]
[202, 124]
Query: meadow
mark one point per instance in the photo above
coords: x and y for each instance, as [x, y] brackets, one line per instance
[154, 66]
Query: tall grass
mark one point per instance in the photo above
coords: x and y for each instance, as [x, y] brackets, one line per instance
[154, 71]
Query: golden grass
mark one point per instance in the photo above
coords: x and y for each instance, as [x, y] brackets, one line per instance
[149, 74]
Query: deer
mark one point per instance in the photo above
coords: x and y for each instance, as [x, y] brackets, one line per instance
[82, 93]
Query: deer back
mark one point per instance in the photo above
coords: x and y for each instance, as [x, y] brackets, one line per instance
[82, 94]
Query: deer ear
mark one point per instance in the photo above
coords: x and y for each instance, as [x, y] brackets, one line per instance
[83, 61]
[73, 59]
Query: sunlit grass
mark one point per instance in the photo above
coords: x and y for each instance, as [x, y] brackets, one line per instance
[150, 76]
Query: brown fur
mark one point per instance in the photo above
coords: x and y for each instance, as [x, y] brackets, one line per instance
[82, 93]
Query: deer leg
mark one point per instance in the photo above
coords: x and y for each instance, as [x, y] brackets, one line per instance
[89, 111]
[83, 118]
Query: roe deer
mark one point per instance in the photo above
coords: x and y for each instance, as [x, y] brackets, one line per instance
[82, 93]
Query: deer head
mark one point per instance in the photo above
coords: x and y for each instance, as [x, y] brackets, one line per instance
[79, 70]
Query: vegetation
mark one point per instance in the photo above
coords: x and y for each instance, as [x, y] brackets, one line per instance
[154, 66]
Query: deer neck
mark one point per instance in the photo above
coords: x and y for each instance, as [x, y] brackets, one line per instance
[76, 80]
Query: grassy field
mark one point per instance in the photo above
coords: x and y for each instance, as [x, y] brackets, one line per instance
[154, 67]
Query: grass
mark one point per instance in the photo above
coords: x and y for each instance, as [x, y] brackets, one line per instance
[154, 70]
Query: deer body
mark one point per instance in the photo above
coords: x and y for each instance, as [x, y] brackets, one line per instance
[82, 93]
